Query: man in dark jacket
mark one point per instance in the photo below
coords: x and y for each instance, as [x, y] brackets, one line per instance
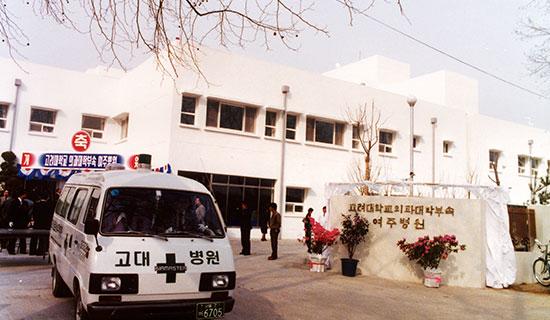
[246, 225]
[42, 216]
[274, 230]
[18, 217]
[5, 200]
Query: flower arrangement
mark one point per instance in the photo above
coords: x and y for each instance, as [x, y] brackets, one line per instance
[427, 252]
[354, 231]
[321, 238]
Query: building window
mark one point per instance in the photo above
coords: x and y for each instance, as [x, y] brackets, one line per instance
[3, 116]
[522, 161]
[270, 123]
[535, 164]
[291, 122]
[42, 120]
[494, 156]
[188, 105]
[221, 115]
[447, 146]
[124, 127]
[548, 167]
[324, 131]
[417, 140]
[385, 142]
[295, 199]
[355, 137]
[230, 191]
[94, 126]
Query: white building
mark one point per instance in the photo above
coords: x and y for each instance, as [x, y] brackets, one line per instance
[227, 130]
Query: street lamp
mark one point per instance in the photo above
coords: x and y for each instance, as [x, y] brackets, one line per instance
[411, 100]
[530, 143]
[285, 89]
[434, 124]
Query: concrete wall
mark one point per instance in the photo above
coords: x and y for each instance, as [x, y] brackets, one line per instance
[542, 218]
[381, 257]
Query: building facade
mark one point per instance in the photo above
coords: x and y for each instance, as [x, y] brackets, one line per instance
[229, 128]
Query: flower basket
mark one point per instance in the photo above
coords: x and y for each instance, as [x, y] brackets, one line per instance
[316, 262]
[432, 277]
[318, 242]
[428, 253]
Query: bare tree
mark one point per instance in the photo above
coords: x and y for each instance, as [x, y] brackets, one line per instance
[493, 165]
[366, 122]
[117, 26]
[537, 30]
[471, 177]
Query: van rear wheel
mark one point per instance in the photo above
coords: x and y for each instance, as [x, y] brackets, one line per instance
[59, 288]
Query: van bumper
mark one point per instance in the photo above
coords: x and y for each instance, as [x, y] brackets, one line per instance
[150, 309]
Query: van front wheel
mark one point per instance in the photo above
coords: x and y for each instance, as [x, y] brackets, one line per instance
[59, 288]
[79, 310]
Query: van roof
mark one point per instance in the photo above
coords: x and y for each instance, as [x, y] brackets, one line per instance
[136, 178]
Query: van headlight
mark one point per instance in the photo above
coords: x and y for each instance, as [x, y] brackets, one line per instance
[110, 283]
[121, 283]
[220, 281]
[217, 281]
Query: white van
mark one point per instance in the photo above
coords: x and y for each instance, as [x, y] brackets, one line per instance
[141, 244]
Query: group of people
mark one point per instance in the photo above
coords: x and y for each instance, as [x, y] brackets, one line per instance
[270, 219]
[18, 211]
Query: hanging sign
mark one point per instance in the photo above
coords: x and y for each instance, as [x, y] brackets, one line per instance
[81, 141]
[79, 161]
[27, 159]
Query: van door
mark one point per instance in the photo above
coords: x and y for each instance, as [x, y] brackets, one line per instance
[60, 236]
[85, 243]
[73, 233]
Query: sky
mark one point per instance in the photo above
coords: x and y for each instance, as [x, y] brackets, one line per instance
[482, 33]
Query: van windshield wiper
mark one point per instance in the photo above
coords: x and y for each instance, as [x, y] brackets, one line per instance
[188, 233]
[145, 234]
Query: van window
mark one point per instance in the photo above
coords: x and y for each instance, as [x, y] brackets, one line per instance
[160, 212]
[78, 201]
[60, 201]
[92, 206]
[67, 202]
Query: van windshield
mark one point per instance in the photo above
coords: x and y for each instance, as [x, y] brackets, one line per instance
[169, 213]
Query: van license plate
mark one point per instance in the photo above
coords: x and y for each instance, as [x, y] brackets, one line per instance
[210, 310]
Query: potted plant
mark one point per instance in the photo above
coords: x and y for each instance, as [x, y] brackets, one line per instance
[354, 232]
[319, 241]
[428, 253]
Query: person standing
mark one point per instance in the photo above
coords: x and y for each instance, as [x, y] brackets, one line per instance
[42, 216]
[246, 225]
[264, 219]
[307, 229]
[324, 221]
[4, 204]
[274, 229]
[18, 211]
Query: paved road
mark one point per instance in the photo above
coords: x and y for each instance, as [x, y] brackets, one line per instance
[285, 289]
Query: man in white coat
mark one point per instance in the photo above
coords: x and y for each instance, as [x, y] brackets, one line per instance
[324, 221]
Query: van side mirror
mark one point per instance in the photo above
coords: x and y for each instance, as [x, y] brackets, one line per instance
[91, 227]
